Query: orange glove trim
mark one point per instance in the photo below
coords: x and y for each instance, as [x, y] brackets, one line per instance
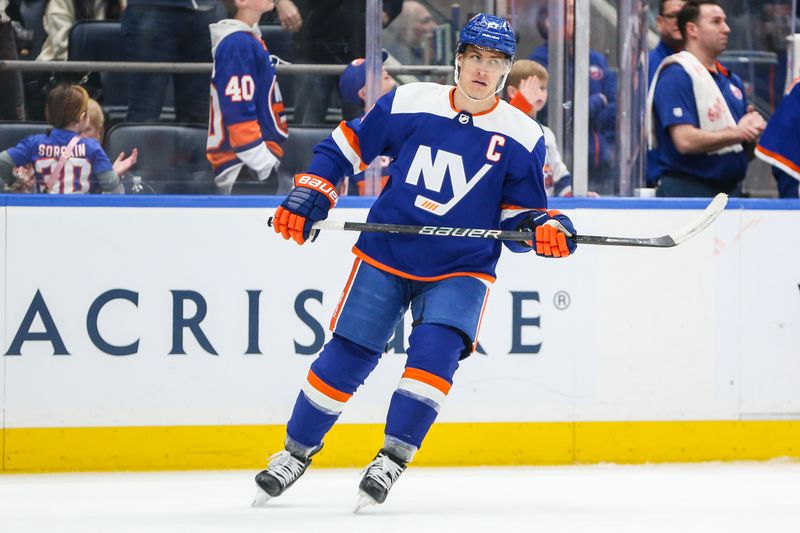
[281, 222]
[318, 184]
[296, 224]
[550, 242]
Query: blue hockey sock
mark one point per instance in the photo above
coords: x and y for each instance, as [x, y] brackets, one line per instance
[340, 369]
[432, 360]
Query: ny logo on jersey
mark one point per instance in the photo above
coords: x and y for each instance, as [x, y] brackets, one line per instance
[433, 171]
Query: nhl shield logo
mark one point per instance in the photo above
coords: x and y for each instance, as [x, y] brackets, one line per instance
[463, 119]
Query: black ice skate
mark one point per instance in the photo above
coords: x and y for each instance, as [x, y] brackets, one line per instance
[379, 476]
[282, 471]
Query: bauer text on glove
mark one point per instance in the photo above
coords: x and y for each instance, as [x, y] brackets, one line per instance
[309, 202]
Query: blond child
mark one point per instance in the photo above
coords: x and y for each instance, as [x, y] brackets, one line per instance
[97, 129]
[526, 89]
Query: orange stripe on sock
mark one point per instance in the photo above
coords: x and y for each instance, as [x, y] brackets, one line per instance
[326, 389]
[429, 379]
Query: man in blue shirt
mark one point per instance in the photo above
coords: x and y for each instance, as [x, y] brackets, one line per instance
[701, 126]
[671, 38]
[670, 43]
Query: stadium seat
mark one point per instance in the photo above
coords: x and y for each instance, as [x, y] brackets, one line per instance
[298, 150]
[101, 40]
[172, 157]
[13, 132]
[281, 43]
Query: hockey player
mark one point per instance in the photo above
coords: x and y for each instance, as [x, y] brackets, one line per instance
[462, 157]
[246, 124]
[63, 161]
[780, 144]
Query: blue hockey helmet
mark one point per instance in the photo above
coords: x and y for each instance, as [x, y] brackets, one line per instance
[487, 31]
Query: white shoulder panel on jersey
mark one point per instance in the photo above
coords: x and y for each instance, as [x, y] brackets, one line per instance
[507, 120]
[423, 97]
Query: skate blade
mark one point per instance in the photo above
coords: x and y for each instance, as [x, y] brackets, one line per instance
[364, 501]
[261, 498]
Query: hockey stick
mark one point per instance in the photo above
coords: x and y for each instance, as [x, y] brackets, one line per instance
[711, 212]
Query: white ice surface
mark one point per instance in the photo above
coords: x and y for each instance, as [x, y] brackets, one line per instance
[730, 498]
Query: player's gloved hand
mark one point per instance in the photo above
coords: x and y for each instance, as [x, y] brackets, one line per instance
[552, 231]
[309, 201]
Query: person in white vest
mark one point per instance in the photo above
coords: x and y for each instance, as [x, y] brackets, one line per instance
[698, 115]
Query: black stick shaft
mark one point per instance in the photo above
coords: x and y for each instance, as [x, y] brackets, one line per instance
[479, 233]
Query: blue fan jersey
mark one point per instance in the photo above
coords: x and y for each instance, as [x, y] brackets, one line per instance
[450, 168]
[79, 174]
[247, 111]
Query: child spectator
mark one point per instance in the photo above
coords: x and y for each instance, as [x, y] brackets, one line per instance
[526, 89]
[247, 124]
[352, 88]
[97, 129]
[63, 161]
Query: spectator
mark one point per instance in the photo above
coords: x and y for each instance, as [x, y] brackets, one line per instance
[352, 88]
[60, 15]
[168, 31]
[671, 42]
[407, 36]
[774, 26]
[700, 117]
[247, 123]
[602, 103]
[63, 161]
[526, 89]
[96, 129]
[12, 104]
[288, 15]
[332, 33]
[780, 144]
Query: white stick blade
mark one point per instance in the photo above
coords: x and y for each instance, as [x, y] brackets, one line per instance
[710, 214]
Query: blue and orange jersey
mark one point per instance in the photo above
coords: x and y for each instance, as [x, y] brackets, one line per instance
[780, 144]
[80, 169]
[449, 168]
[247, 111]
